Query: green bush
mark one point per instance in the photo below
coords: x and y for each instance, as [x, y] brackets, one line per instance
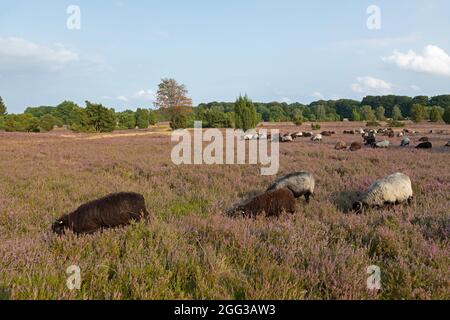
[396, 124]
[373, 124]
[48, 122]
[446, 115]
[315, 126]
[245, 114]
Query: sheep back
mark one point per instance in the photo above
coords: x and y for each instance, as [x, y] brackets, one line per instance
[111, 211]
[271, 203]
[394, 188]
[300, 183]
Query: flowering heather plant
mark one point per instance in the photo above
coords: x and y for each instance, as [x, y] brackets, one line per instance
[190, 249]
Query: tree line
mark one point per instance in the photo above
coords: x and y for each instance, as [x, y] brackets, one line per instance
[174, 105]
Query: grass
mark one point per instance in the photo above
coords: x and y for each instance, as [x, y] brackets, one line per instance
[191, 250]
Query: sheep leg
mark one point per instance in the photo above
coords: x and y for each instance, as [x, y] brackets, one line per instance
[307, 196]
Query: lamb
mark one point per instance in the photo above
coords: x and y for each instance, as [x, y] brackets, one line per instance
[424, 145]
[340, 145]
[382, 144]
[272, 204]
[317, 138]
[405, 142]
[300, 183]
[395, 188]
[112, 211]
[355, 146]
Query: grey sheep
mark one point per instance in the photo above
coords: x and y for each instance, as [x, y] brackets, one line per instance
[395, 188]
[300, 183]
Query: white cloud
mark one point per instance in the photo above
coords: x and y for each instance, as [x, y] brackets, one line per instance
[286, 100]
[18, 52]
[433, 60]
[142, 95]
[145, 95]
[122, 98]
[370, 84]
[318, 95]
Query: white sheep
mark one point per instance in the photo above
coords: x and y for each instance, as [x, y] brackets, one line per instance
[300, 183]
[286, 139]
[395, 188]
[317, 137]
[382, 144]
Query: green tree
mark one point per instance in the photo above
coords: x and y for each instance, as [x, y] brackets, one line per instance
[152, 117]
[436, 114]
[101, 119]
[298, 119]
[446, 115]
[380, 113]
[126, 119]
[356, 115]
[79, 120]
[367, 113]
[397, 113]
[418, 113]
[64, 111]
[180, 117]
[245, 114]
[2, 107]
[142, 118]
[48, 122]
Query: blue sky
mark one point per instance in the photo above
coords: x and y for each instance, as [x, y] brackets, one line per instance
[283, 50]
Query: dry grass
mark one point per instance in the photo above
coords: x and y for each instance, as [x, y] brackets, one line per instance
[190, 249]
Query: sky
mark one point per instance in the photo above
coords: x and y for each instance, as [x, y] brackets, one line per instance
[284, 50]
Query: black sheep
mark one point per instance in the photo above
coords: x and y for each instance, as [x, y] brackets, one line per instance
[112, 211]
[424, 145]
[271, 203]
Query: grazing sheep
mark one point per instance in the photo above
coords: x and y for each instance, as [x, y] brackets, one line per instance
[349, 132]
[307, 134]
[395, 188]
[400, 134]
[271, 203]
[355, 146]
[391, 134]
[317, 138]
[424, 145]
[405, 142]
[340, 145]
[114, 210]
[327, 133]
[300, 183]
[287, 138]
[424, 139]
[297, 135]
[382, 144]
[369, 139]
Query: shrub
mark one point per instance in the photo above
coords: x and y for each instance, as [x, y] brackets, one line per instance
[396, 124]
[446, 115]
[48, 122]
[373, 124]
[315, 126]
[298, 119]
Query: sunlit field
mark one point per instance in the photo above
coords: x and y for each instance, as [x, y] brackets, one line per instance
[190, 249]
